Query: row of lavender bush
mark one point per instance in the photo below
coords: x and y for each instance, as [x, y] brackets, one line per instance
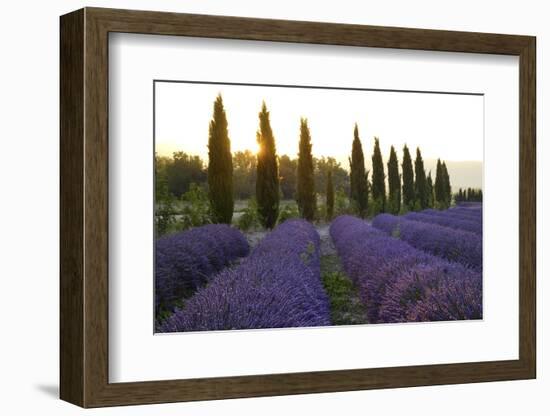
[184, 261]
[468, 212]
[277, 286]
[459, 214]
[452, 244]
[399, 283]
[469, 225]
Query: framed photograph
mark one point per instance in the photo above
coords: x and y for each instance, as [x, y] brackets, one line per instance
[254, 207]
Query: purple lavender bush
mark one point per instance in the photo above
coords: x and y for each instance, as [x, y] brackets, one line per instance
[438, 291]
[475, 212]
[399, 283]
[452, 244]
[277, 286]
[184, 261]
[471, 225]
[455, 214]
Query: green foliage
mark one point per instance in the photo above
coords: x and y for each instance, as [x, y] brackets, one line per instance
[446, 184]
[468, 195]
[181, 171]
[339, 287]
[329, 197]
[420, 186]
[341, 203]
[346, 306]
[430, 190]
[287, 212]
[394, 184]
[358, 176]
[375, 207]
[287, 174]
[408, 180]
[305, 192]
[164, 201]
[442, 186]
[378, 180]
[340, 176]
[267, 182]
[249, 216]
[196, 208]
[220, 166]
[321, 211]
[244, 174]
[439, 191]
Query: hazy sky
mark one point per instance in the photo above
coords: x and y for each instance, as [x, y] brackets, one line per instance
[444, 126]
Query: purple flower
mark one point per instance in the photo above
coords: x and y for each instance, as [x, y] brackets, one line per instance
[443, 218]
[452, 244]
[277, 286]
[184, 261]
[399, 283]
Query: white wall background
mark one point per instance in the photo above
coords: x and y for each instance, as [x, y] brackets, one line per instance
[29, 159]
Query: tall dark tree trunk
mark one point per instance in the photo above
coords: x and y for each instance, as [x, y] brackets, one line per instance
[358, 177]
[330, 196]
[220, 167]
[446, 185]
[408, 180]
[420, 187]
[378, 180]
[305, 189]
[267, 172]
[430, 190]
[394, 184]
[440, 188]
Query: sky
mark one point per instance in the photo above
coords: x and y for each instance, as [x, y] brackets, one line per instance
[446, 126]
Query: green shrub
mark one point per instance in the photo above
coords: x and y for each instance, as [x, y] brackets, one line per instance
[195, 208]
[249, 217]
[164, 220]
[287, 212]
[342, 203]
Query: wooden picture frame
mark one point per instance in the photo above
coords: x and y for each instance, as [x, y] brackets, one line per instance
[84, 207]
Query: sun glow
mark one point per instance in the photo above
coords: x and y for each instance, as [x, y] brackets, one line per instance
[257, 149]
[449, 127]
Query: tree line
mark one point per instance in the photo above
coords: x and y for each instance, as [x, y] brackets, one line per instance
[269, 177]
[182, 170]
[468, 195]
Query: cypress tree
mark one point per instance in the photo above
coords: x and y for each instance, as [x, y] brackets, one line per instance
[305, 187]
[378, 180]
[420, 188]
[446, 185]
[440, 188]
[430, 190]
[408, 180]
[267, 172]
[358, 176]
[220, 166]
[438, 185]
[330, 196]
[394, 184]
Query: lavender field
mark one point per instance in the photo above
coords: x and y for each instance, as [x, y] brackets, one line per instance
[418, 267]
[306, 206]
